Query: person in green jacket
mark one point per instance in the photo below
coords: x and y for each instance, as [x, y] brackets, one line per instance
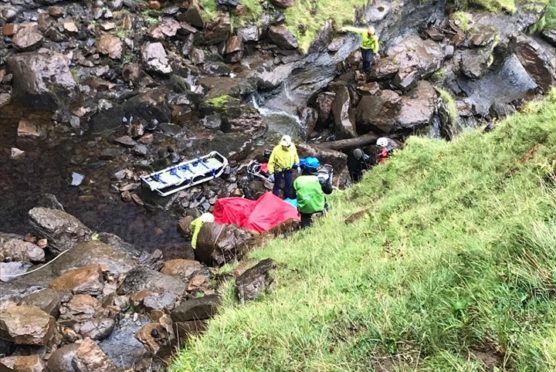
[369, 44]
[197, 224]
[311, 190]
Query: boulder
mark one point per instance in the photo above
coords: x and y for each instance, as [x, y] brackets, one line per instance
[96, 329]
[482, 36]
[337, 159]
[12, 270]
[26, 325]
[249, 33]
[20, 250]
[281, 36]
[155, 58]
[218, 244]
[167, 28]
[194, 15]
[474, 63]
[324, 103]
[184, 269]
[417, 109]
[217, 31]
[416, 59]
[89, 357]
[62, 358]
[234, 49]
[384, 68]
[255, 281]
[343, 115]
[28, 129]
[43, 78]
[196, 309]
[62, 230]
[23, 363]
[378, 112]
[110, 45]
[550, 36]
[283, 3]
[142, 278]
[538, 61]
[83, 280]
[27, 37]
[308, 117]
[155, 336]
[80, 308]
[122, 346]
[160, 301]
[48, 300]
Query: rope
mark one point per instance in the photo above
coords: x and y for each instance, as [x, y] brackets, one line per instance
[38, 268]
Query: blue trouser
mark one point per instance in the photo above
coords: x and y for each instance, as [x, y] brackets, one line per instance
[367, 55]
[286, 177]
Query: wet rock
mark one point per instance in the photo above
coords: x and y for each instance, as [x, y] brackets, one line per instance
[155, 58]
[194, 15]
[62, 230]
[219, 244]
[56, 11]
[142, 278]
[26, 363]
[47, 200]
[16, 153]
[89, 357]
[416, 59]
[167, 28]
[122, 347]
[5, 98]
[196, 309]
[550, 36]
[140, 150]
[378, 112]
[184, 330]
[61, 359]
[501, 110]
[28, 129]
[12, 270]
[43, 78]
[83, 280]
[475, 63]
[309, 118]
[96, 329]
[234, 49]
[217, 31]
[8, 14]
[281, 36]
[255, 281]
[482, 36]
[538, 61]
[343, 116]
[181, 268]
[110, 45]
[324, 103]
[20, 250]
[26, 325]
[126, 141]
[337, 159]
[48, 300]
[418, 108]
[27, 37]
[249, 33]
[80, 308]
[163, 301]
[384, 68]
[154, 336]
[69, 26]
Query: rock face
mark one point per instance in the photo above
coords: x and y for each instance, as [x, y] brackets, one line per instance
[196, 309]
[26, 325]
[83, 280]
[281, 36]
[27, 37]
[62, 230]
[378, 112]
[27, 363]
[255, 281]
[155, 58]
[43, 78]
[343, 117]
[418, 108]
[110, 45]
[142, 278]
[540, 65]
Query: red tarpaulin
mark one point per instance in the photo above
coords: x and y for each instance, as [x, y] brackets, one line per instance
[257, 215]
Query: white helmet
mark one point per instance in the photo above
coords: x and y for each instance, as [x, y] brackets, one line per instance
[207, 217]
[382, 142]
[286, 141]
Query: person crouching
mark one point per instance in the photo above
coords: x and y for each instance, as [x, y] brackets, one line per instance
[311, 190]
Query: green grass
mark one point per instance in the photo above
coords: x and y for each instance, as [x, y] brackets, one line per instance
[548, 21]
[450, 103]
[219, 101]
[462, 20]
[456, 254]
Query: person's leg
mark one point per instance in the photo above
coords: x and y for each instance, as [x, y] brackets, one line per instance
[305, 220]
[371, 58]
[278, 176]
[365, 55]
[288, 184]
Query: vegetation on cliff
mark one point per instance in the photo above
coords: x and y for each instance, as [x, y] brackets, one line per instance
[451, 266]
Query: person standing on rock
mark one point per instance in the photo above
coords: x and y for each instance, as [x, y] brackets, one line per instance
[386, 146]
[311, 190]
[357, 163]
[282, 161]
[369, 44]
[197, 224]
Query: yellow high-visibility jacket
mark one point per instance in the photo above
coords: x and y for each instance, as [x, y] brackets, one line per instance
[367, 42]
[281, 159]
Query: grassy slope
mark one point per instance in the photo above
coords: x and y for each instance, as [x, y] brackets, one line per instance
[457, 253]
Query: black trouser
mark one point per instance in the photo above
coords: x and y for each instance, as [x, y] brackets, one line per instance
[286, 177]
[306, 219]
[368, 57]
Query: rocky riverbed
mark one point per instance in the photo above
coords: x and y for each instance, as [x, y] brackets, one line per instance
[95, 94]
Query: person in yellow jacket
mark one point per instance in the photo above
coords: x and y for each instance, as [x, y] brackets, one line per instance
[196, 226]
[369, 44]
[282, 161]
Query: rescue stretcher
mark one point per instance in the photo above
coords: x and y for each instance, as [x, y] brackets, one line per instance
[186, 174]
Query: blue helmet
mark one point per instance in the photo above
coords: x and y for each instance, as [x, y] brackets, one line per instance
[309, 163]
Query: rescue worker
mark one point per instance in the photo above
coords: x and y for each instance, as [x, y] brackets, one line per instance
[311, 191]
[386, 147]
[282, 161]
[369, 44]
[358, 162]
[197, 224]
